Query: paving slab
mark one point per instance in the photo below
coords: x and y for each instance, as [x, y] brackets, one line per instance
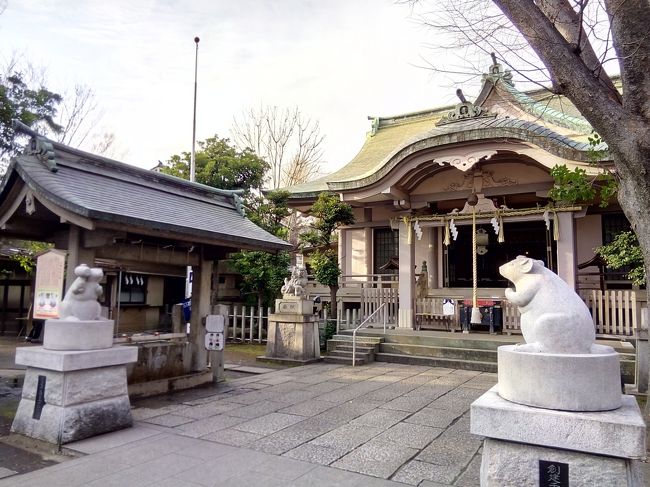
[248, 369]
[408, 403]
[283, 468]
[411, 435]
[111, 440]
[435, 418]
[347, 437]
[269, 423]
[310, 407]
[230, 436]
[318, 454]
[380, 418]
[202, 427]
[415, 471]
[383, 425]
[377, 458]
[256, 410]
[207, 409]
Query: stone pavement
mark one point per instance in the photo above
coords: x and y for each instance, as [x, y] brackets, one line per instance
[317, 425]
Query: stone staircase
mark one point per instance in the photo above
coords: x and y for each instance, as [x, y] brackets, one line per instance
[444, 349]
[339, 349]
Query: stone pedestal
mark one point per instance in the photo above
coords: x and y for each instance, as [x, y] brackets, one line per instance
[293, 332]
[569, 382]
[597, 448]
[72, 395]
[78, 335]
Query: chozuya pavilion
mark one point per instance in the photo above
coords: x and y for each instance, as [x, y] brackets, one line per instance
[422, 180]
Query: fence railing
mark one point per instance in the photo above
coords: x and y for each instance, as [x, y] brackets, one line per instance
[430, 314]
[615, 313]
[347, 319]
[251, 323]
[373, 298]
[248, 323]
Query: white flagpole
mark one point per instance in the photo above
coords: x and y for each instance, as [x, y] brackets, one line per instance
[188, 280]
[193, 157]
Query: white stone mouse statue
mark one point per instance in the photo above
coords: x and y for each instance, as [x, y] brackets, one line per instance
[80, 302]
[554, 319]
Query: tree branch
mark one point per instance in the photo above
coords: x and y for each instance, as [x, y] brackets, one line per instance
[572, 76]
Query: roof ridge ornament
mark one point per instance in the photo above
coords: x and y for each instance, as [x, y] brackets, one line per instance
[39, 146]
[497, 73]
[465, 110]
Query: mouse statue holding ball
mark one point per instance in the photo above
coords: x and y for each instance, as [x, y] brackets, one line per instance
[554, 319]
[80, 302]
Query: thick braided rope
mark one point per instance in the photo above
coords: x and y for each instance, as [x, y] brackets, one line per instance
[474, 266]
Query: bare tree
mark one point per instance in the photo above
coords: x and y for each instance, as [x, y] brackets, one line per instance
[78, 114]
[573, 43]
[290, 143]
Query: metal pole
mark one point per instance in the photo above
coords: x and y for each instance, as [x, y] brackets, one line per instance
[193, 156]
[188, 277]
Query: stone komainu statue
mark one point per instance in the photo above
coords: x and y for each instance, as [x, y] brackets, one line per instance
[295, 286]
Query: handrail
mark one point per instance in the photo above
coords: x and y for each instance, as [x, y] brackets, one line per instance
[363, 323]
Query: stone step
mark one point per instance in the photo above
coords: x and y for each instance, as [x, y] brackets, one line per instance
[439, 352]
[363, 348]
[348, 353]
[343, 360]
[447, 339]
[360, 338]
[436, 362]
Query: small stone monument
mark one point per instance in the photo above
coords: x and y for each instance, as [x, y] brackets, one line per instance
[293, 328]
[557, 415]
[75, 385]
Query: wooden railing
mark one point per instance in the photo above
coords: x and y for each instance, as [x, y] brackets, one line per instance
[615, 313]
[374, 297]
[429, 314]
[248, 323]
[511, 317]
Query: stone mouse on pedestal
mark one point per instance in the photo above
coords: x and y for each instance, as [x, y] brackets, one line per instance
[80, 302]
[554, 319]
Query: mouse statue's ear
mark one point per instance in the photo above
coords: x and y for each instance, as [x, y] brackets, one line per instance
[525, 264]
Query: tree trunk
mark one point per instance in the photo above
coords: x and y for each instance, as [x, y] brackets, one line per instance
[623, 124]
[333, 291]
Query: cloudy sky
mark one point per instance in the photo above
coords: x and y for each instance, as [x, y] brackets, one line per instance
[337, 60]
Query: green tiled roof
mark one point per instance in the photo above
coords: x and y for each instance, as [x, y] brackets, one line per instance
[393, 138]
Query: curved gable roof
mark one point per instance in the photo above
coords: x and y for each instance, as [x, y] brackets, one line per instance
[394, 138]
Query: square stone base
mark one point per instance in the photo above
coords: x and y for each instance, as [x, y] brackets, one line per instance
[68, 396]
[597, 448]
[58, 424]
[617, 433]
[508, 463]
[293, 337]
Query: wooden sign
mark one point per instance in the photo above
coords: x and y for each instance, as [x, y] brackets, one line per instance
[48, 288]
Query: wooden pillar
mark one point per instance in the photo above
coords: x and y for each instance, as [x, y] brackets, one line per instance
[342, 251]
[406, 277]
[432, 258]
[566, 248]
[367, 234]
[77, 254]
[201, 291]
[74, 243]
